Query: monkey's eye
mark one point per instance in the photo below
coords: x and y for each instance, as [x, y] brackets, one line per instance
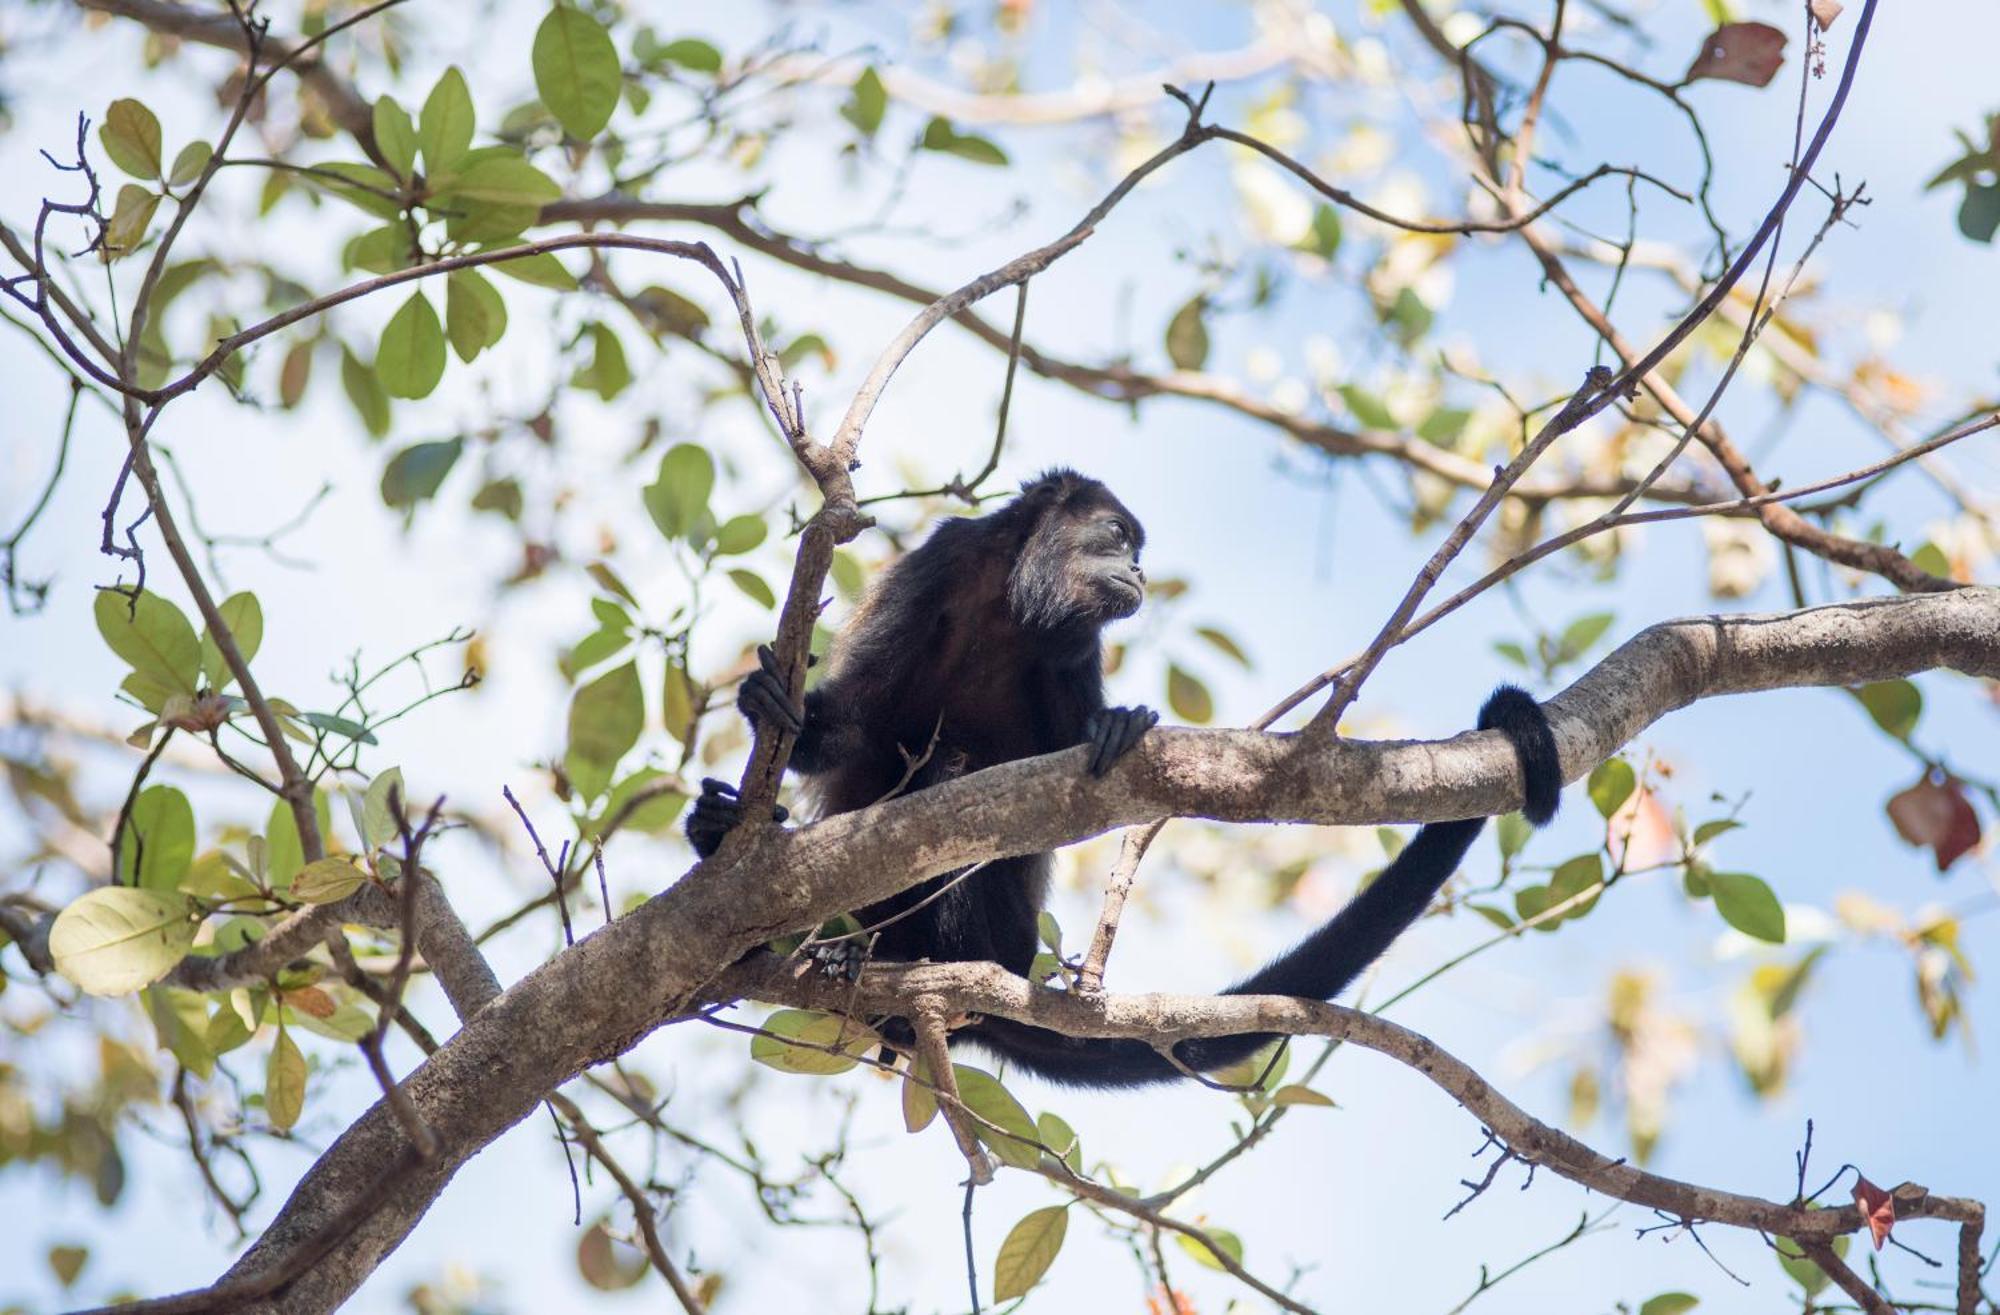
[1119, 534]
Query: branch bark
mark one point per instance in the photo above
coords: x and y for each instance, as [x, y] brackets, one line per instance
[599, 998]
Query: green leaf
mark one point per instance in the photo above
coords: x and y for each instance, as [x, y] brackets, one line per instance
[326, 880]
[1669, 1303]
[131, 137]
[500, 496]
[506, 180]
[378, 820]
[1060, 1138]
[1512, 651]
[1443, 426]
[1188, 697]
[851, 1040]
[1930, 557]
[362, 186]
[919, 1101]
[1748, 905]
[1263, 1069]
[1611, 784]
[152, 636]
[116, 939]
[1224, 643]
[180, 1021]
[867, 103]
[678, 498]
[655, 817]
[1512, 831]
[1708, 831]
[215, 875]
[365, 391]
[1299, 1094]
[410, 358]
[752, 584]
[1227, 1241]
[244, 616]
[1531, 902]
[1895, 705]
[158, 841]
[341, 726]
[691, 53]
[1016, 1141]
[1324, 238]
[939, 135]
[541, 269]
[131, 218]
[285, 1082]
[1048, 931]
[347, 1023]
[1580, 634]
[1030, 1248]
[1187, 335]
[1802, 1270]
[605, 718]
[475, 314]
[1573, 878]
[607, 374]
[66, 1262]
[576, 71]
[284, 855]
[1367, 409]
[739, 534]
[444, 127]
[189, 161]
[1495, 916]
[415, 473]
[395, 136]
[1979, 212]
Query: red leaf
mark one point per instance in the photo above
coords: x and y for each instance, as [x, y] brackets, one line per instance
[1825, 11]
[1935, 812]
[1750, 53]
[1878, 1209]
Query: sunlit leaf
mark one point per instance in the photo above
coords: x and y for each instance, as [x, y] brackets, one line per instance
[444, 127]
[395, 135]
[1031, 1246]
[116, 939]
[158, 841]
[847, 1042]
[1748, 905]
[131, 137]
[152, 636]
[284, 1082]
[244, 616]
[1611, 784]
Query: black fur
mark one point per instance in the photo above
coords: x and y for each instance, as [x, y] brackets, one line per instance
[981, 647]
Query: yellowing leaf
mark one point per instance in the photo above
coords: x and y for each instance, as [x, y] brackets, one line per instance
[116, 939]
[1031, 1247]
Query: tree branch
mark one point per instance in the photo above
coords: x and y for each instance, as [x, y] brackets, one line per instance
[597, 999]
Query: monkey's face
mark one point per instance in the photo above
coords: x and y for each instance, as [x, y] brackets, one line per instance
[1106, 582]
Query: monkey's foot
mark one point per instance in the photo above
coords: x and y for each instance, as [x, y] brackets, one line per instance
[1111, 733]
[840, 961]
[715, 814]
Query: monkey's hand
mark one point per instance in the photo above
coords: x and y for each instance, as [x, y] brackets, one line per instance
[762, 697]
[715, 814]
[1111, 733]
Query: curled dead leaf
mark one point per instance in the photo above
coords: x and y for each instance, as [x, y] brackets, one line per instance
[1750, 53]
[1824, 12]
[1935, 813]
[1878, 1209]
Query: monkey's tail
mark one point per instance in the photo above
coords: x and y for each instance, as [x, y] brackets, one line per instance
[1326, 962]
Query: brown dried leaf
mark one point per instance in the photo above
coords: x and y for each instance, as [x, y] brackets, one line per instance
[1750, 53]
[310, 1000]
[1824, 12]
[1935, 813]
[1878, 1209]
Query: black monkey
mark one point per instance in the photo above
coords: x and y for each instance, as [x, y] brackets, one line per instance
[982, 646]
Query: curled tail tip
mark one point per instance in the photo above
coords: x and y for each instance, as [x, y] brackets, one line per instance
[1514, 712]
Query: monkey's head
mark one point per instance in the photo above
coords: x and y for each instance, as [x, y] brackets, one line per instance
[1078, 564]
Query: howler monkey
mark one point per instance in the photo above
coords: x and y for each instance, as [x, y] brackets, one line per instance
[982, 646]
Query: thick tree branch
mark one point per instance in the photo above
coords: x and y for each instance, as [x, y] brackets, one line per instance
[599, 998]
